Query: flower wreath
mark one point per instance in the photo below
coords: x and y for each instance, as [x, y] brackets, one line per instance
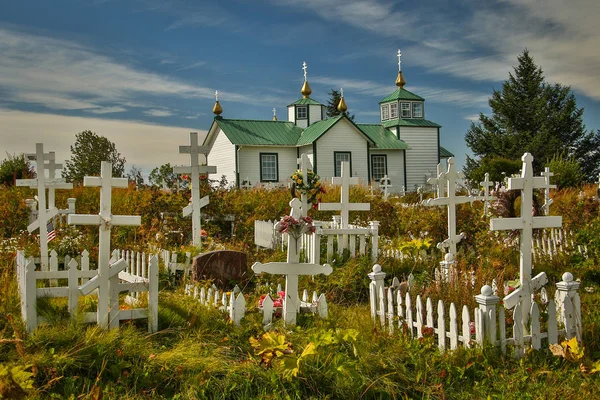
[311, 186]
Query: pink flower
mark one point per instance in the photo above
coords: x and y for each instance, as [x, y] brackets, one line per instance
[472, 327]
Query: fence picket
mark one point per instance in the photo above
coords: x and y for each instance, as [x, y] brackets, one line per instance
[441, 329]
[466, 327]
[536, 341]
[453, 327]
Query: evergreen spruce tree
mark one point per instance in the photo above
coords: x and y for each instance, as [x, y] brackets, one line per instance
[530, 115]
[332, 105]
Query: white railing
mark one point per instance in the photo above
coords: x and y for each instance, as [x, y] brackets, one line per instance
[228, 302]
[135, 278]
[486, 324]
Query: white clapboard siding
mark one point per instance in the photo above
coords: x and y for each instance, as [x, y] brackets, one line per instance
[222, 155]
[249, 162]
[422, 158]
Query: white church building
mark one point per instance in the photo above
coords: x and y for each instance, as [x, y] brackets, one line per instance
[404, 145]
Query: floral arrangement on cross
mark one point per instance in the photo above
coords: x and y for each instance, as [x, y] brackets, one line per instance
[296, 227]
[310, 186]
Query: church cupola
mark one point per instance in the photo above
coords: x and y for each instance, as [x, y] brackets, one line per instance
[342, 107]
[305, 111]
[274, 114]
[401, 105]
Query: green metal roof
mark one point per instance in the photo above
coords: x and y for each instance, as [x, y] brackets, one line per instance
[410, 122]
[306, 101]
[445, 153]
[315, 130]
[383, 138]
[259, 133]
[401, 94]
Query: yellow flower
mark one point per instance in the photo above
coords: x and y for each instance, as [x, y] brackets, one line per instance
[299, 181]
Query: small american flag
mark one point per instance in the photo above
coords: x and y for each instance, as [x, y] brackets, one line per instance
[51, 231]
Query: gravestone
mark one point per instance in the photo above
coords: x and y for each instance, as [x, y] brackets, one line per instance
[225, 267]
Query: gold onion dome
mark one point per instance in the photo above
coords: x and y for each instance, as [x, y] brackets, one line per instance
[274, 117]
[400, 81]
[306, 90]
[217, 109]
[342, 107]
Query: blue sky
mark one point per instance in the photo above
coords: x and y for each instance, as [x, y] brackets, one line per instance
[143, 73]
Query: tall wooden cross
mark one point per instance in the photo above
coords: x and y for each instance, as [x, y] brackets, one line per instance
[487, 184]
[195, 169]
[108, 311]
[52, 166]
[45, 214]
[344, 205]
[292, 269]
[305, 166]
[547, 186]
[526, 223]
[451, 201]
[385, 183]
[439, 181]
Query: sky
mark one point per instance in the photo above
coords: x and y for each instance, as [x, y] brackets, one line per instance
[143, 72]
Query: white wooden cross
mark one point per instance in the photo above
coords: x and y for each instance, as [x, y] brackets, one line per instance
[41, 183]
[52, 166]
[547, 200]
[487, 184]
[292, 269]
[439, 181]
[344, 205]
[526, 223]
[399, 61]
[195, 169]
[305, 166]
[304, 67]
[451, 201]
[385, 183]
[108, 310]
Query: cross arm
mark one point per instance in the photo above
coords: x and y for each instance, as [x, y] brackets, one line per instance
[36, 224]
[84, 219]
[283, 268]
[93, 283]
[97, 181]
[547, 222]
[505, 224]
[198, 149]
[330, 206]
[359, 206]
[126, 220]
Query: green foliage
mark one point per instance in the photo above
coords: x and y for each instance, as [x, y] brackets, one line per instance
[498, 168]
[332, 105]
[163, 176]
[567, 172]
[15, 381]
[87, 154]
[15, 167]
[530, 115]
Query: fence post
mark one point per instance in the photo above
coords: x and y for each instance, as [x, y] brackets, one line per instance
[377, 277]
[570, 305]
[374, 240]
[29, 298]
[316, 246]
[153, 295]
[487, 303]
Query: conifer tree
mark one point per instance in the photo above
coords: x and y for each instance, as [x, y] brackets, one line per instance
[332, 105]
[531, 115]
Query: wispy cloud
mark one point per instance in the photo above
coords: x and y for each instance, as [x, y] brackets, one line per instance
[158, 113]
[107, 110]
[472, 117]
[456, 97]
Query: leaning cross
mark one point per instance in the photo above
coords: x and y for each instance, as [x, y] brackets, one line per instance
[108, 310]
[547, 186]
[292, 269]
[439, 181]
[526, 224]
[41, 183]
[195, 169]
[487, 184]
[305, 166]
[451, 201]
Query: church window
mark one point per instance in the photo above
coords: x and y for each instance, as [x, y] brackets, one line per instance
[301, 112]
[393, 110]
[378, 166]
[417, 110]
[385, 112]
[405, 107]
[269, 171]
[340, 156]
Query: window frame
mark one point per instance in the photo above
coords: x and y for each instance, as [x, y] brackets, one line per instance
[385, 112]
[393, 111]
[305, 108]
[335, 166]
[402, 110]
[260, 158]
[385, 165]
[414, 114]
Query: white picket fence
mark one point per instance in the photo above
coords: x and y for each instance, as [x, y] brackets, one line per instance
[485, 325]
[355, 239]
[137, 277]
[552, 242]
[233, 303]
[170, 259]
[228, 302]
